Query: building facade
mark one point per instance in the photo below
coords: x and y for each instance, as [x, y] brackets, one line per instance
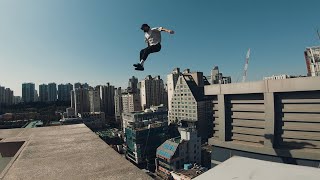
[152, 92]
[159, 113]
[275, 77]
[172, 80]
[175, 153]
[43, 92]
[189, 103]
[94, 100]
[52, 92]
[312, 57]
[28, 92]
[131, 102]
[2, 94]
[64, 92]
[8, 98]
[107, 93]
[118, 104]
[133, 85]
[80, 100]
[218, 78]
[273, 120]
[142, 140]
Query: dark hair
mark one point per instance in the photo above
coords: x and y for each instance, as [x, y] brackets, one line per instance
[144, 25]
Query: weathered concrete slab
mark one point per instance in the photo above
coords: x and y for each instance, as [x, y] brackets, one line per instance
[66, 152]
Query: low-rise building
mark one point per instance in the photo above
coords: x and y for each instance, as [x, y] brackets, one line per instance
[159, 113]
[142, 140]
[174, 153]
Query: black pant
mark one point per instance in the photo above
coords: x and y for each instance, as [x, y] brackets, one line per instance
[144, 53]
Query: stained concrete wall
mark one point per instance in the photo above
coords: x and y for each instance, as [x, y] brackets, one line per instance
[272, 117]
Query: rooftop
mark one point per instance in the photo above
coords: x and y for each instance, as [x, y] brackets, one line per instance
[245, 168]
[65, 152]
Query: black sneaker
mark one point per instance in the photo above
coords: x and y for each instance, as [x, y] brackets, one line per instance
[139, 68]
[136, 65]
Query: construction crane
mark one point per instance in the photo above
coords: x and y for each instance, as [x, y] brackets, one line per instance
[246, 66]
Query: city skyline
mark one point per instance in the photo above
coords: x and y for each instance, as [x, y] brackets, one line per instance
[94, 43]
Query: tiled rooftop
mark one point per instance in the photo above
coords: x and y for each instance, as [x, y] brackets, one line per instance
[65, 152]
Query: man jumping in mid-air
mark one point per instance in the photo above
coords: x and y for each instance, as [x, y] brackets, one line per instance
[153, 39]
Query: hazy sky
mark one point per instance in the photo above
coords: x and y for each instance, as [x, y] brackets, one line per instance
[97, 41]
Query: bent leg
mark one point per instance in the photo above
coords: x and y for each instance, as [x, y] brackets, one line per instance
[144, 53]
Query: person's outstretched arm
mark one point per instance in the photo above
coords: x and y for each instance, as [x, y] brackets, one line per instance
[167, 30]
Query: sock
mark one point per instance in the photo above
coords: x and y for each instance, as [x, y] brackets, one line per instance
[142, 62]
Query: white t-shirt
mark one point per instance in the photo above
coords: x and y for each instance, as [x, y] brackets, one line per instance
[153, 36]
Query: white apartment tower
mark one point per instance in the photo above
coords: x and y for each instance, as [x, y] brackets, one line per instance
[94, 100]
[80, 100]
[131, 102]
[171, 84]
[152, 92]
[189, 102]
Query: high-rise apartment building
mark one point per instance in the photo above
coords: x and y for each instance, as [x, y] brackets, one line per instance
[80, 100]
[118, 104]
[43, 92]
[171, 84]
[79, 85]
[2, 95]
[107, 93]
[94, 100]
[189, 103]
[28, 92]
[133, 85]
[152, 92]
[64, 92]
[52, 92]
[8, 97]
[131, 102]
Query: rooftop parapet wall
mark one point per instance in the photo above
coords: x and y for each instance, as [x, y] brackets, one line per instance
[280, 85]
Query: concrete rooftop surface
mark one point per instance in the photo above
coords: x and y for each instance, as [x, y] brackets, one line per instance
[65, 152]
[240, 168]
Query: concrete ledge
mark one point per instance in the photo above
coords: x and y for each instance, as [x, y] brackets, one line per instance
[282, 85]
[295, 153]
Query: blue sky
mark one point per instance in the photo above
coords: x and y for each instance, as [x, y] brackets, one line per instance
[97, 41]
